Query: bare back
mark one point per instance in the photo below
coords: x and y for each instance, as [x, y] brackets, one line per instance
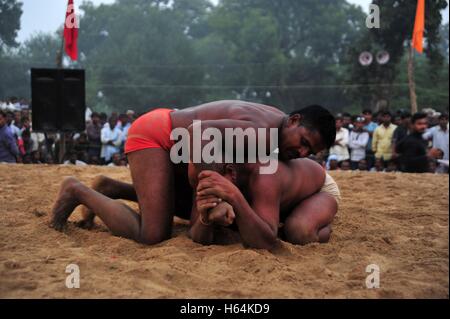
[259, 115]
[293, 182]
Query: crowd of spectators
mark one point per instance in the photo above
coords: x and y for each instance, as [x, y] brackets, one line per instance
[386, 142]
[380, 142]
[102, 143]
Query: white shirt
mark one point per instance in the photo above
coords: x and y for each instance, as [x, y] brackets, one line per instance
[357, 144]
[108, 135]
[15, 130]
[440, 139]
[77, 162]
[341, 151]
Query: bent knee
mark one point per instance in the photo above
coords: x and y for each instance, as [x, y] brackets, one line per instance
[153, 239]
[299, 232]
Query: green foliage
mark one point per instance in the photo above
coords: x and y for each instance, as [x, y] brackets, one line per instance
[394, 36]
[10, 13]
[141, 54]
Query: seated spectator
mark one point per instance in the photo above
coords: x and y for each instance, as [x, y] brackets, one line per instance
[333, 164]
[73, 160]
[49, 159]
[345, 165]
[391, 167]
[116, 160]
[36, 157]
[378, 166]
[362, 165]
[124, 161]
[432, 166]
[26, 159]
[94, 160]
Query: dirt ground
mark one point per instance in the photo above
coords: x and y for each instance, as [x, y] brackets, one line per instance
[398, 222]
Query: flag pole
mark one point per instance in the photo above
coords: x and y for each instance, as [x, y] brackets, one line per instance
[411, 80]
[417, 44]
[59, 65]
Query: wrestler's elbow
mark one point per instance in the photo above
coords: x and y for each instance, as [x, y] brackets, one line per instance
[199, 239]
[268, 242]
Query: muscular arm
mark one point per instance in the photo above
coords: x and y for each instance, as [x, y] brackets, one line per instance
[258, 222]
[199, 232]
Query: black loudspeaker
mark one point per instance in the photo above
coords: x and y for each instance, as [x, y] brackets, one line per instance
[58, 100]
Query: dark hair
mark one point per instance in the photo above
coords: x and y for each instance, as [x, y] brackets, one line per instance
[443, 116]
[95, 114]
[318, 118]
[2, 113]
[405, 115]
[418, 116]
[384, 113]
[367, 111]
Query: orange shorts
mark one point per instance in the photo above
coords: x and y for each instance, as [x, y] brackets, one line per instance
[151, 130]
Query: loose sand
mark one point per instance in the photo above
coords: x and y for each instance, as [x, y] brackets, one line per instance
[399, 222]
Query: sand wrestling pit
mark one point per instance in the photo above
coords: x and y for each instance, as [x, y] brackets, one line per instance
[396, 221]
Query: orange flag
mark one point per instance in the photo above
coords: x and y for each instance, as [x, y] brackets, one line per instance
[419, 27]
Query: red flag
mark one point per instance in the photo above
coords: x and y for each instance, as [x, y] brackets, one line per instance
[419, 27]
[71, 32]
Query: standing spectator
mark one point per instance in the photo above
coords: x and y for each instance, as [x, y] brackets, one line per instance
[26, 143]
[9, 121]
[8, 145]
[439, 135]
[81, 144]
[347, 121]
[124, 127]
[403, 129]
[382, 139]
[340, 145]
[111, 138]
[412, 150]
[369, 127]
[131, 116]
[94, 130]
[358, 143]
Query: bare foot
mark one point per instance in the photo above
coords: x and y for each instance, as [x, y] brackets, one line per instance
[100, 184]
[86, 222]
[65, 203]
